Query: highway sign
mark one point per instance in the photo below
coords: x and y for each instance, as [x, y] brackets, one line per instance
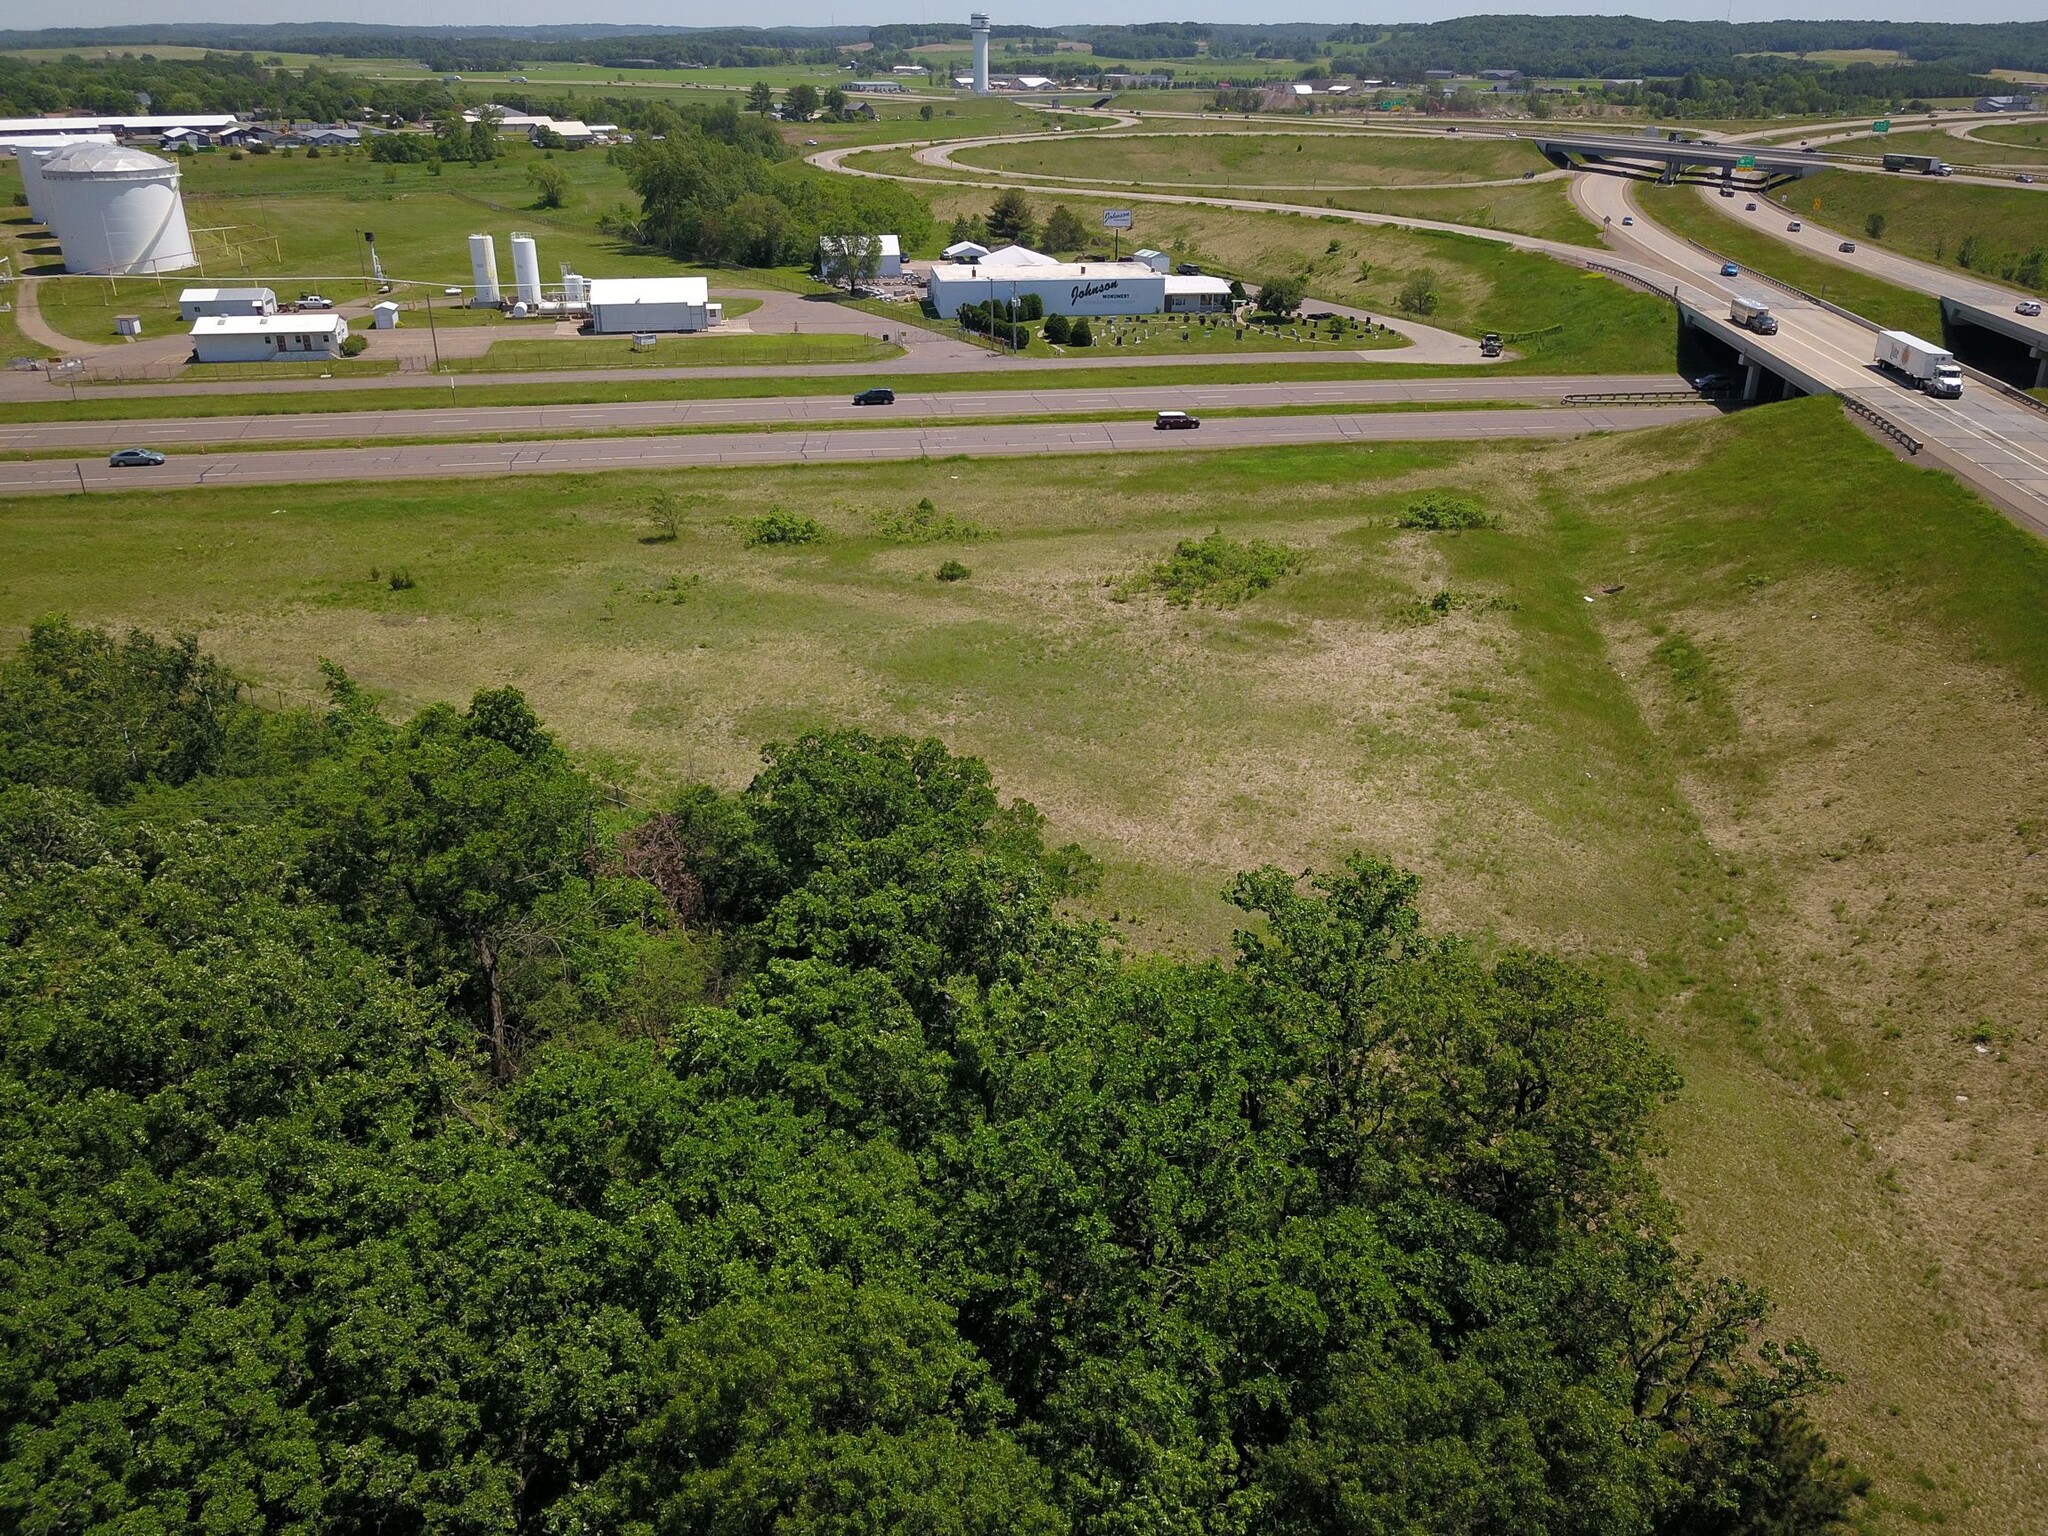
[1746, 163]
[1882, 125]
[1116, 218]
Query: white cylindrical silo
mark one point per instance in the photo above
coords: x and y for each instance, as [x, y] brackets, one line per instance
[115, 210]
[483, 269]
[525, 268]
[30, 151]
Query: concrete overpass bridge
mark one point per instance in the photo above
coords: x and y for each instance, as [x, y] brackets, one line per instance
[1672, 156]
[2022, 337]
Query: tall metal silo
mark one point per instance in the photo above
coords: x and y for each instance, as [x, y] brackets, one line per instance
[483, 270]
[116, 210]
[525, 268]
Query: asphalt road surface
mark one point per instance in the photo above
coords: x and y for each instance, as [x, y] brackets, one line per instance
[824, 410]
[582, 455]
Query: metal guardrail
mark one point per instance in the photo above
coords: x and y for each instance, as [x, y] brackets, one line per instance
[2011, 392]
[1884, 424]
[1784, 287]
[1645, 397]
[1619, 275]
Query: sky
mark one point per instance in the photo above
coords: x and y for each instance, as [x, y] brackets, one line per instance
[93, 13]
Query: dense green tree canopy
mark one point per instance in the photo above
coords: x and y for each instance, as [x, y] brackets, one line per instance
[796, 1162]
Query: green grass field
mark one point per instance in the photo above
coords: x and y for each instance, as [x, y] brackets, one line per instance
[1684, 210]
[1289, 162]
[1937, 220]
[2023, 136]
[1956, 151]
[675, 352]
[1673, 781]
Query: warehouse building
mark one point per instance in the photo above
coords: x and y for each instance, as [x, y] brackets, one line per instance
[1077, 288]
[624, 306]
[833, 255]
[198, 303]
[264, 338]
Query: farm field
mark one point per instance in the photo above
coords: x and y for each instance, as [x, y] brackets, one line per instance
[1684, 210]
[1674, 782]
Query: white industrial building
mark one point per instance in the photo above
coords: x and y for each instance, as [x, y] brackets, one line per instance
[876, 87]
[262, 338]
[622, 306]
[832, 255]
[115, 210]
[200, 122]
[1076, 288]
[198, 303]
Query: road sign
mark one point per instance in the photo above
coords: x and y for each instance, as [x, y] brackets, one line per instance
[1882, 125]
[1816, 205]
[1116, 218]
[1746, 163]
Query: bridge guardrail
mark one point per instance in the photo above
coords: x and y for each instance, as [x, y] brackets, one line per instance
[1621, 275]
[2011, 392]
[1883, 423]
[1646, 397]
[1784, 287]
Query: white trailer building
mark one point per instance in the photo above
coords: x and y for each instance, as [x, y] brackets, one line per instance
[1077, 288]
[621, 306]
[198, 303]
[264, 338]
[836, 252]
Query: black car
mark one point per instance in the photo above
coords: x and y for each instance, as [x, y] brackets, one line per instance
[135, 458]
[1714, 383]
[875, 397]
[1175, 421]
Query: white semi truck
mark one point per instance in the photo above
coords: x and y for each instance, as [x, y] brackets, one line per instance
[1920, 363]
[1752, 315]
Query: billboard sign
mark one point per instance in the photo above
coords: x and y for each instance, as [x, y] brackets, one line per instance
[1116, 218]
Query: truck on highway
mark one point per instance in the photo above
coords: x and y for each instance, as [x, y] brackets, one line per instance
[1752, 315]
[1926, 165]
[1920, 363]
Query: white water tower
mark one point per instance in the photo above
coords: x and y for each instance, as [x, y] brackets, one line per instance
[979, 22]
[116, 210]
[483, 270]
[525, 269]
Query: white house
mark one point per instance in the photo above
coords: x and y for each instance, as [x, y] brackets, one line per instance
[198, 303]
[621, 306]
[832, 251]
[260, 338]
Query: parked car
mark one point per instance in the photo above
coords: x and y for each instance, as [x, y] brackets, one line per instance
[1187, 269]
[1175, 421]
[875, 397]
[314, 301]
[2027, 307]
[1490, 344]
[1794, 227]
[1729, 269]
[808, 143]
[1847, 246]
[135, 458]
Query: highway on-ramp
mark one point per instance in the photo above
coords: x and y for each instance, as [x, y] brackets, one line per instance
[1135, 400]
[1023, 439]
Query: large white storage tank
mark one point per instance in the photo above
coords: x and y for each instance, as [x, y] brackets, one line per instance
[525, 268]
[483, 269]
[29, 154]
[114, 209]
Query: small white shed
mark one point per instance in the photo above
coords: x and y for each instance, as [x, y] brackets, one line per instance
[384, 316]
[1158, 261]
[197, 303]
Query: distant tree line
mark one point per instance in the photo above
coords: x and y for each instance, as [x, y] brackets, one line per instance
[400, 1133]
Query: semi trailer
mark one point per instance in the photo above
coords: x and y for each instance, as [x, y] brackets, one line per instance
[1920, 363]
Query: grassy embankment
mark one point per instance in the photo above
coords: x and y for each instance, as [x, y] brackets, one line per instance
[1967, 151]
[1986, 230]
[1682, 209]
[1676, 781]
[1540, 208]
[675, 351]
[1278, 160]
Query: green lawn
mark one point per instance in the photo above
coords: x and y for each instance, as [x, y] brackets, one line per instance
[675, 352]
[1672, 782]
[1164, 336]
[1684, 210]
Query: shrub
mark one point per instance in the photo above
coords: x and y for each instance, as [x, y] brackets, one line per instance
[1216, 570]
[1282, 295]
[1873, 226]
[355, 346]
[1030, 307]
[401, 579]
[780, 527]
[1080, 335]
[1418, 294]
[1441, 510]
[953, 570]
[923, 524]
[1056, 329]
